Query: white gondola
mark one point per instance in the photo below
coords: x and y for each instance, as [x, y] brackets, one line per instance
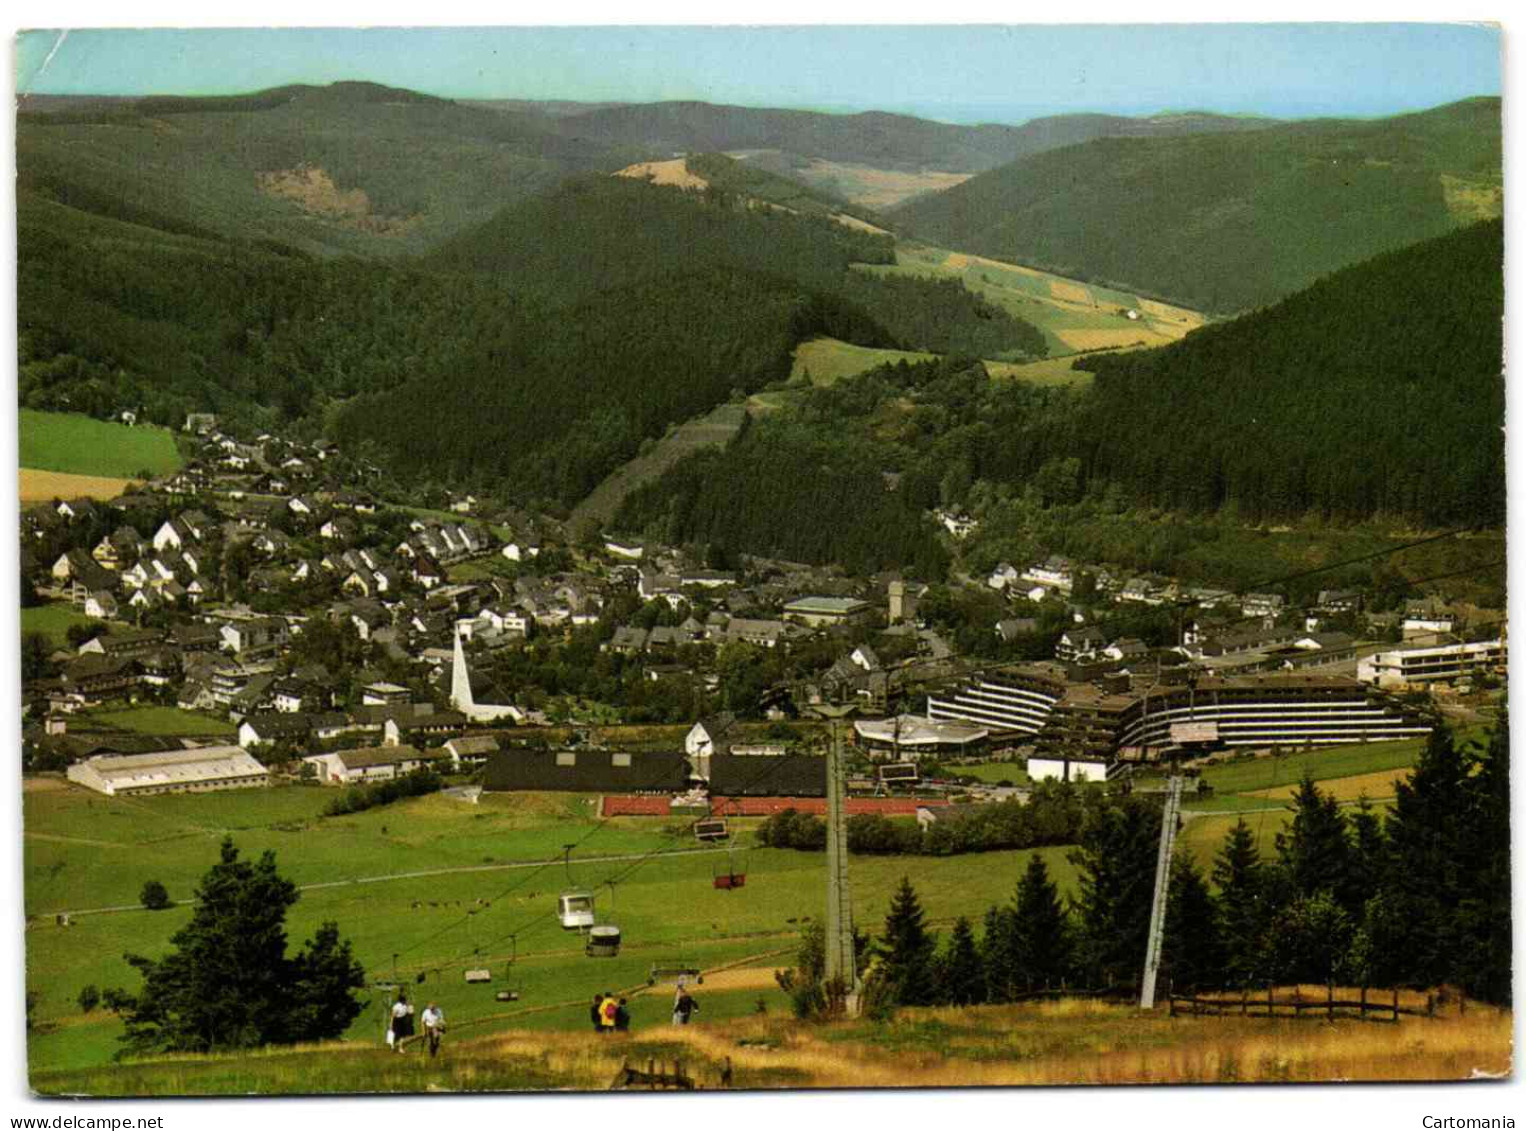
[603, 942]
[575, 910]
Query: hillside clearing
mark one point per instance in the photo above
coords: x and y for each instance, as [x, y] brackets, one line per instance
[82, 446]
[826, 361]
[674, 172]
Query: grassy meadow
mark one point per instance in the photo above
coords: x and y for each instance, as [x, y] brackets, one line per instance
[1073, 316]
[406, 880]
[79, 445]
[53, 620]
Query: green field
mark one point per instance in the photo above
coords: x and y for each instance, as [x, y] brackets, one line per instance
[1072, 315]
[158, 720]
[85, 851]
[993, 772]
[80, 445]
[53, 619]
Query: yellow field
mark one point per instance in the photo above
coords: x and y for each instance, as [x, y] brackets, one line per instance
[861, 225]
[1375, 785]
[1070, 292]
[45, 486]
[674, 172]
[1469, 201]
[875, 188]
[1131, 335]
[958, 261]
[1162, 312]
[828, 360]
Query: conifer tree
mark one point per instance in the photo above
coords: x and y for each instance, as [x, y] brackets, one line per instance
[1116, 860]
[907, 949]
[1314, 852]
[1426, 879]
[998, 954]
[1243, 889]
[961, 978]
[1192, 953]
[1044, 951]
[1484, 955]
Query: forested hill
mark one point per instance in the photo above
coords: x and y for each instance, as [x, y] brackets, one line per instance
[352, 167]
[1377, 391]
[601, 234]
[1228, 221]
[886, 141]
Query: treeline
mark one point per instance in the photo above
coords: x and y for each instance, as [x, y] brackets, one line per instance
[1051, 816]
[1419, 898]
[359, 798]
[1376, 391]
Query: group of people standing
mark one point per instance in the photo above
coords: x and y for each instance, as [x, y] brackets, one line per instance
[609, 1014]
[400, 1024]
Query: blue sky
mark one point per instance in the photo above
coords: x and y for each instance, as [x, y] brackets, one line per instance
[953, 73]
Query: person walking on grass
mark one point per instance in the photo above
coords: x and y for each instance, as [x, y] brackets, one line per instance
[607, 1011]
[400, 1024]
[684, 1005]
[622, 1018]
[596, 1014]
[434, 1027]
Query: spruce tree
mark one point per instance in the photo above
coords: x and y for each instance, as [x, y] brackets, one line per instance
[1314, 852]
[1044, 950]
[228, 982]
[1192, 954]
[998, 954]
[961, 978]
[1484, 956]
[1429, 869]
[907, 949]
[1243, 900]
[1116, 861]
[1369, 854]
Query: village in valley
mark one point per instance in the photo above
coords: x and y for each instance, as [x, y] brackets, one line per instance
[269, 588]
[524, 587]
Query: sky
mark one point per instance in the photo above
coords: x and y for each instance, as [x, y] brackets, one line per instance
[950, 73]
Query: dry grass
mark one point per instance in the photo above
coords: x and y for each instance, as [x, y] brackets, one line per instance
[311, 189]
[860, 225]
[44, 486]
[674, 172]
[1375, 785]
[1469, 201]
[1071, 292]
[875, 188]
[1071, 1041]
[1129, 335]
[958, 261]
[1161, 312]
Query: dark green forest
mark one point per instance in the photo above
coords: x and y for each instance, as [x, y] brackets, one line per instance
[1375, 391]
[1224, 222]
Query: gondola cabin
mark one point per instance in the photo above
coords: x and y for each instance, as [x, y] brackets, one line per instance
[900, 773]
[711, 829]
[603, 942]
[575, 910]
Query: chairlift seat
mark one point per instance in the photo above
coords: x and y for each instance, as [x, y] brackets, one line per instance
[712, 829]
[729, 880]
[506, 995]
[661, 973]
[603, 942]
[477, 976]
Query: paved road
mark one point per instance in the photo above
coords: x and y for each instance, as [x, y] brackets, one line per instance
[418, 875]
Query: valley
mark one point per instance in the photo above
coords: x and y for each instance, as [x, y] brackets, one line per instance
[504, 551]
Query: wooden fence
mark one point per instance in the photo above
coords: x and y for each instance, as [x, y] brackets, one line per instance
[1367, 1006]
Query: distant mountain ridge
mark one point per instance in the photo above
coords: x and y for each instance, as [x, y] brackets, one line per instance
[1228, 220]
[891, 141]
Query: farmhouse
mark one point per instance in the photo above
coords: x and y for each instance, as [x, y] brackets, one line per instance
[170, 771]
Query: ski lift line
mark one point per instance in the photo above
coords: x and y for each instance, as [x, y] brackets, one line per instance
[567, 850]
[642, 859]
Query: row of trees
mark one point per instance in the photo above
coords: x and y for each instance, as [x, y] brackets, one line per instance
[1052, 815]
